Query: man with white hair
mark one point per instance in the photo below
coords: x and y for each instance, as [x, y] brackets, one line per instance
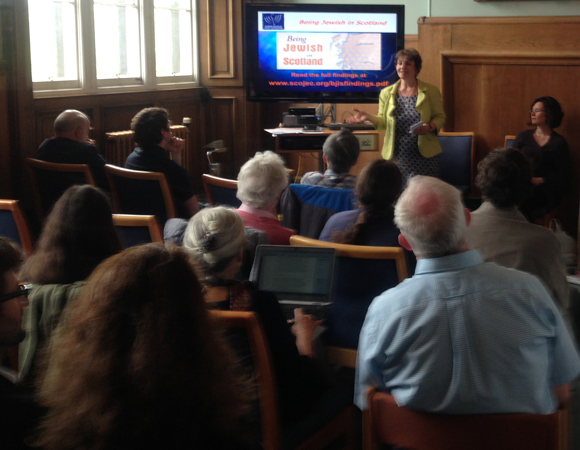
[462, 336]
[71, 145]
[260, 183]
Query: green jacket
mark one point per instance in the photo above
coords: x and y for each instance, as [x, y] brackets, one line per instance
[40, 318]
[430, 107]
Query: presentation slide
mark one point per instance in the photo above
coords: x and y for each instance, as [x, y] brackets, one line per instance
[337, 51]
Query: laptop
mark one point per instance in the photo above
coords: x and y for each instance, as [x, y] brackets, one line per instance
[301, 277]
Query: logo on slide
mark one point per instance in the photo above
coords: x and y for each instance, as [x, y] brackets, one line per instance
[272, 21]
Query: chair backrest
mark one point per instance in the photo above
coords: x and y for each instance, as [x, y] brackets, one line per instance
[50, 180]
[137, 229]
[387, 423]
[361, 273]
[13, 225]
[306, 209]
[138, 192]
[510, 140]
[249, 324]
[456, 162]
[220, 191]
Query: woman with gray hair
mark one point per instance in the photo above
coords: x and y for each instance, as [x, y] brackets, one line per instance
[260, 183]
[215, 240]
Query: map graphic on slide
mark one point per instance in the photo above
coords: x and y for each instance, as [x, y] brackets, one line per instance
[329, 51]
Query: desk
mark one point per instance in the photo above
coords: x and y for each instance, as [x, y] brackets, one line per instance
[313, 142]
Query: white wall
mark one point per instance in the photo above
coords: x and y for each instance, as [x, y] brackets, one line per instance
[464, 8]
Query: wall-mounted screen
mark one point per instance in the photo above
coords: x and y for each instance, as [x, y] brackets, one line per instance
[321, 52]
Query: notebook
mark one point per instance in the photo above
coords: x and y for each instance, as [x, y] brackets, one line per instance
[301, 277]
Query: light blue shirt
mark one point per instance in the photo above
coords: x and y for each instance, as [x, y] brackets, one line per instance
[466, 337]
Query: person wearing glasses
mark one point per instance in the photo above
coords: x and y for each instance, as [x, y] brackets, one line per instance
[549, 155]
[18, 410]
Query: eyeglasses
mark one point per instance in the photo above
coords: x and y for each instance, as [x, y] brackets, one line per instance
[23, 289]
[532, 111]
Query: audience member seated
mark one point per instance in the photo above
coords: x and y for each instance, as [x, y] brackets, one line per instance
[71, 145]
[156, 142]
[377, 189]
[77, 236]
[18, 410]
[215, 238]
[339, 152]
[501, 234]
[136, 364]
[175, 229]
[549, 155]
[462, 336]
[260, 183]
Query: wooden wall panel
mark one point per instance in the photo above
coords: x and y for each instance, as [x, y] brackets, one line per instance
[220, 23]
[490, 70]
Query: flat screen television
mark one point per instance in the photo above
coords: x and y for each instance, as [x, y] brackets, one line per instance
[321, 53]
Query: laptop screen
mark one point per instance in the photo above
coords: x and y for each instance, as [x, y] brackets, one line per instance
[294, 273]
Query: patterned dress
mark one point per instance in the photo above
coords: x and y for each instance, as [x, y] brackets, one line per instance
[407, 155]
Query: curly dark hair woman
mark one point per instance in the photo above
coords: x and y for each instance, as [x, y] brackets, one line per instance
[136, 363]
[77, 236]
[377, 188]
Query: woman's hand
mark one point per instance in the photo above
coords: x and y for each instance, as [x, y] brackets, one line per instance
[303, 329]
[423, 129]
[359, 117]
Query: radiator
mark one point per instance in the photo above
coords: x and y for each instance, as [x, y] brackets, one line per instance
[120, 144]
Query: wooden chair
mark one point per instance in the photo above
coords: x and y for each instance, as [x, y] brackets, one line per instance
[137, 229]
[361, 273]
[13, 225]
[220, 191]
[386, 423]
[456, 163]
[142, 193]
[273, 432]
[50, 180]
[509, 140]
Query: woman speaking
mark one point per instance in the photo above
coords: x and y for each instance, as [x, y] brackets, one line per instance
[411, 114]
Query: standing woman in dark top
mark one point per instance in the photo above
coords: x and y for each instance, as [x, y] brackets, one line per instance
[549, 155]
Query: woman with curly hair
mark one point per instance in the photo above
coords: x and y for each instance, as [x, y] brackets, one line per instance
[549, 155]
[136, 364]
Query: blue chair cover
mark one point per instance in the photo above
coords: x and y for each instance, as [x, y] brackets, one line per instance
[8, 227]
[306, 209]
[455, 162]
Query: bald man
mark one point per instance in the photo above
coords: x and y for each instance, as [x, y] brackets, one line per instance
[462, 336]
[71, 145]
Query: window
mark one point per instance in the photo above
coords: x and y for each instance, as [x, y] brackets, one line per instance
[92, 46]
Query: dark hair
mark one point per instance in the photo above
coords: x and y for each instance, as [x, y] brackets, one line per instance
[413, 55]
[10, 259]
[77, 236]
[136, 362]
[341, 150]
[552, 109]
[504, 177]
[148, 124]
[378, 187]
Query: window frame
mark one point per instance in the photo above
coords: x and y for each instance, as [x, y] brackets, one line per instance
[87, 82]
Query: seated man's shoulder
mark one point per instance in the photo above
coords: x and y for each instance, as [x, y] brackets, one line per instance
[311, 178]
